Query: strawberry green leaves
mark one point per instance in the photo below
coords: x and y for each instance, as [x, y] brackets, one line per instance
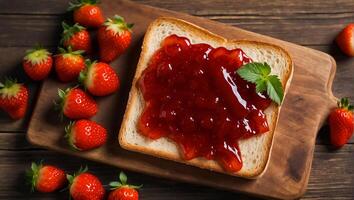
[122, 183]
[259, 74]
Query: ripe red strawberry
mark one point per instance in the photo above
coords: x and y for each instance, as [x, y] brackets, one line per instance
[87, 13]
[76, 104]
[114, 37]
[99, 78]
[68, 64]
[17, 113]
[341, 123]
[85, 135]
[45, 178]
[77, 37]
[122, 191]
[13, 98]
[345, 40]
[37, 63]
[85, 186]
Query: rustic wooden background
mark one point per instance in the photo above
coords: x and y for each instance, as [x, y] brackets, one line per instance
[311, 23]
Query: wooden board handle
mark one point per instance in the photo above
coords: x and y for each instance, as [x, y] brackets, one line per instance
[331, 99]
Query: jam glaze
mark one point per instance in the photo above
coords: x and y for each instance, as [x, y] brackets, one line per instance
[194, 97]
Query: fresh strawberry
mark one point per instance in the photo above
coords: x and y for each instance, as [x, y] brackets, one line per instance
[114, 37]
[341, 123]
[17, 113]
[13, 98]
[85, 135]
[122, 191]
[45, 178]
[87, 13]
[37, 63]
[85, 186]
[68, 64]
[99, 78]
[345, 40]
[76, 104]
[77, 37]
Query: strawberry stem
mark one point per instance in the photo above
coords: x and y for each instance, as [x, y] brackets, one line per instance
[123, 178]
[344, 104]
[69, 136]
[72, 177]
[118, 25]
[37, 55]
[59, 105]
[69, 51]
[33, 173]
[69, 31]
[9, 88]
[122, 182]
[83, 76]
[76, 4]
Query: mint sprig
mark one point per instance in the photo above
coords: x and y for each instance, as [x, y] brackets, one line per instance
[259, 74]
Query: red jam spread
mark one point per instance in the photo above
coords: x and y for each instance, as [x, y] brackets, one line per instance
[194, 97]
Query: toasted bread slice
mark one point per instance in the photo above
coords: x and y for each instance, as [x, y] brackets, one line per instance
[255, 151]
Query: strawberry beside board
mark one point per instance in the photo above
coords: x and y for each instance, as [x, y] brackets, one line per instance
[98, 78]
[82, 185]
[341, 123]
[13, 98]
[45, 178]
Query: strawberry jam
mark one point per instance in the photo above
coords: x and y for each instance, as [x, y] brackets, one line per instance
[194, 97]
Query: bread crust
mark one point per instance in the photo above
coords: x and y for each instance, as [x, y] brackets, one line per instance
[135, 98]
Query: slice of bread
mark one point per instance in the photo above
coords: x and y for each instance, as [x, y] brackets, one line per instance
[255, 151]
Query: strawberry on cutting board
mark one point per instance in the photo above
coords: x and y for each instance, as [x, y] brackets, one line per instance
[345, 40]
[114, 37]
[45, 178]
[13, 98]
[122, 191]
[99, 78]
[68, 64]
[77, 37]
[74, 103]
[85, 135]
[341, 123]
[87, 13]
[37, 63]
[85, 186]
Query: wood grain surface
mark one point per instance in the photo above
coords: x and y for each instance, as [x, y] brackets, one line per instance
[289, 165]
[322, 20]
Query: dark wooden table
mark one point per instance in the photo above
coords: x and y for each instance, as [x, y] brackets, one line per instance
[312, 23]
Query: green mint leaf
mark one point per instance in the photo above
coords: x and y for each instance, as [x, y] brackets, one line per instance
[266, 69]
[247, 72]
[275, 89]
[261, 85]
[254, 71]
[259, 74]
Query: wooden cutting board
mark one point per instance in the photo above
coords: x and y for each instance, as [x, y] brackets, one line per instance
[304, 110]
